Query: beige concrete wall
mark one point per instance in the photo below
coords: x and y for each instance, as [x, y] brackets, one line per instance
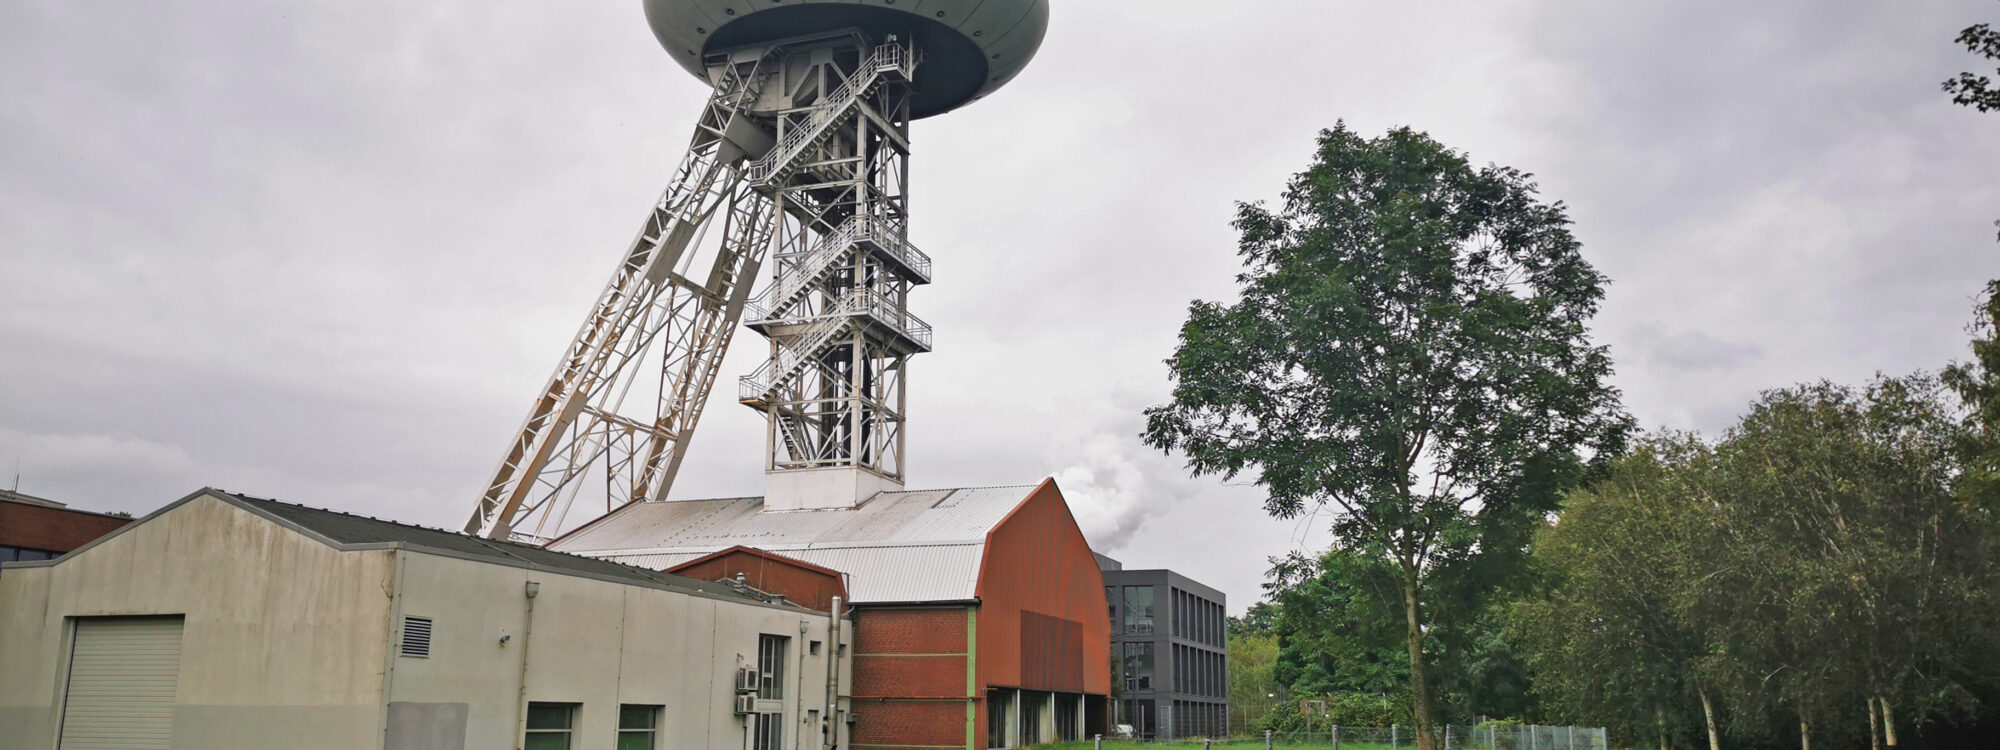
[284, 640]
[288, 640]
[599, 644]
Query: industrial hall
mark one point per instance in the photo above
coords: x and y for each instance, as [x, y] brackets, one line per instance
[978, 612]
[229, 622]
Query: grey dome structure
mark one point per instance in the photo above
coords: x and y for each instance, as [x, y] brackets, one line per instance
[968, 47]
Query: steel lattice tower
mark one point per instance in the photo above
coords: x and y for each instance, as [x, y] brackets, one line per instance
[801, 158]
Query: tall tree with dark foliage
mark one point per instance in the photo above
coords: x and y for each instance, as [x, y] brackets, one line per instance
[1410, 350]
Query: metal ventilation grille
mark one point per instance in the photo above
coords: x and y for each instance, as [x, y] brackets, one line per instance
[417, 637]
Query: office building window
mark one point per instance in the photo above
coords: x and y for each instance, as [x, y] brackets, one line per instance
[638, 727]
[770, 733]
[1138, 610]
[771, 666]
[1138, 667]
[550, 726]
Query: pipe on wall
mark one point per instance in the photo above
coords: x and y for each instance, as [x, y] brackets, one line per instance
[830, 722]
[527, 638]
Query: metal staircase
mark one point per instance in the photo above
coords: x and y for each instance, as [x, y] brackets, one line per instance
[804, 346]
[886, 60]
[836, 310]
[858, 232]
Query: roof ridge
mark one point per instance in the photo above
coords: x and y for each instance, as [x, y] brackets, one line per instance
[497, 545]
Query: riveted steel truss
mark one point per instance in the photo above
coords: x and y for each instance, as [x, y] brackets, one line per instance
[800, 153]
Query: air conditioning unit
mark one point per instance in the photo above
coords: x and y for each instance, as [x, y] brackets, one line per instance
[746, 704]
[746, 679]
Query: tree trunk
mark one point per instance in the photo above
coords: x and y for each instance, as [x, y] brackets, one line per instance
[1420, 690]
[1805, 734]
[1888, 721]
[1874, 726]
[1708, 715]
[1660, 721]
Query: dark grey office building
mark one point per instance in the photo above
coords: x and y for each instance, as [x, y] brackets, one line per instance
[1173, 659]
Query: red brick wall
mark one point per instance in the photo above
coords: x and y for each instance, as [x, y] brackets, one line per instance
[910, 631]
[910, 677]
[801, 582]
[52, 529]
[905, 723]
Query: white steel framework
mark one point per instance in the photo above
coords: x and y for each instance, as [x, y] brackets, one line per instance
[801, 153]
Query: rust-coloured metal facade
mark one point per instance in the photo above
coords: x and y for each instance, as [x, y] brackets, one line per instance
[1027, 662]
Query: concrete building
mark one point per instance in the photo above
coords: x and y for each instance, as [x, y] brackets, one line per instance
[1167, 631]
[979, 612]
[32, 528]
[224, 622]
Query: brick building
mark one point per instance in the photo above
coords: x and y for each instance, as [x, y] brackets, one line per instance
[32, 528]
[804, 583]
[978, 612]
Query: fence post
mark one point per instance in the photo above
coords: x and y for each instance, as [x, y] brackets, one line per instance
[1493, 737]
[1098, 744]
[1447, 737]
[1336, 737]
[1394, 742]
[1267, 739]
[1534, 738]
[1572, 738]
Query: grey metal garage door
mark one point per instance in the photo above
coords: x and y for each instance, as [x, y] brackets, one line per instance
[122, 672]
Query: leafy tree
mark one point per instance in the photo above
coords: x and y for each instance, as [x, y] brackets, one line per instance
[1253, 685]
[1338, 625]
[1615, 636]
[1481, 671]
[1971, 90]
[1874, 563]
[1258, 619]
[1410, 349]
[1821, 570]
[1977, 384]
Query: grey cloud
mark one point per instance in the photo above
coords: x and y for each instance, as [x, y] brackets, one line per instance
[1695, 350]
[326, 251]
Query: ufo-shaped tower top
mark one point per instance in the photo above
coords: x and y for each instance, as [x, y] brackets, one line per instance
[968, 47]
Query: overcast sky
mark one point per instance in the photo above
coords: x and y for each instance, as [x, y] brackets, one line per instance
[327, 251]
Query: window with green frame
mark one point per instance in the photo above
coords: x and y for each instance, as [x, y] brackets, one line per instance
[550, 726]
[638, 727]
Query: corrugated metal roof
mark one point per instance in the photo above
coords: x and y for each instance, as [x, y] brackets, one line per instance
[896, 547]
[346, 528]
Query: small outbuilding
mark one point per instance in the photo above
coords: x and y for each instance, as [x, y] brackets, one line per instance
[227, 622]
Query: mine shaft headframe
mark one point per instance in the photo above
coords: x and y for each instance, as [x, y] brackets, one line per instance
[969, 48]
[662, 313]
